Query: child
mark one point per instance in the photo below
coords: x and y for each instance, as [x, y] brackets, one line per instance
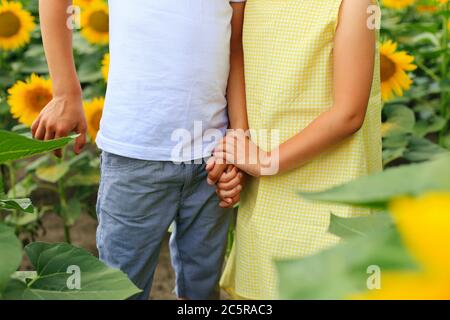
[172, 65]
[310, 78]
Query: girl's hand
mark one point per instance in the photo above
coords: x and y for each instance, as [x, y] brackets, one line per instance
[237, 149]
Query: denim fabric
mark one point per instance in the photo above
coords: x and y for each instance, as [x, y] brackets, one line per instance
[137, 202]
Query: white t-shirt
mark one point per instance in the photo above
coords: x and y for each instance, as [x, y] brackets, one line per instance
[167, 79]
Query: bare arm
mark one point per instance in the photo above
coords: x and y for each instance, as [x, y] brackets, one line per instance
[229, 184]
[237, 106]
[64, 113]
[354, 56]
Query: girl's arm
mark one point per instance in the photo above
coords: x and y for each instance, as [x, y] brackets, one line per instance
[354, 59]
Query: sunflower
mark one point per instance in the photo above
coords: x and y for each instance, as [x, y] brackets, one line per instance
[16, 25]
[93, 111]
[394, 65]
[428, 6]
[27, 98]
[424, 224]
[105, 66]
[82, 3]
[397, 4]
[95, 22]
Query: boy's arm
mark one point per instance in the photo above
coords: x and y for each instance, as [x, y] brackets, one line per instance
[237, 111]
[64, 113]
[237, 105]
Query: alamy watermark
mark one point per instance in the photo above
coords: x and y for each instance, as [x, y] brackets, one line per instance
[74, 280]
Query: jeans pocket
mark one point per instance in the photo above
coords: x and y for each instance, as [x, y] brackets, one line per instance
[114, 162]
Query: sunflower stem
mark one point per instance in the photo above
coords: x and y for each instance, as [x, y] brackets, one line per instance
[12, 187]
[427, 70]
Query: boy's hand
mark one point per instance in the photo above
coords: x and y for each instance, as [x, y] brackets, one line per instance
[229, 187]
[60, 117]
[215, 170]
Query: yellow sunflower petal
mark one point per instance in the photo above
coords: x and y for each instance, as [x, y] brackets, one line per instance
[95, 22]
[424, 224]
[27, 98]
[16, 25]
[93, 111]
[407, 286]
[394, 64]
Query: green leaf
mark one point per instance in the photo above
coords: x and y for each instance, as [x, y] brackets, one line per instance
[390, 155]
[52, 262]
[396, 141]
[72, 212]
[23, 188]
[10, 253]
[378, 189]
[24, 276]
[14, 146]
[359, 226]
[89, 70]
[342, 270]
[400, 119]
[39, 162]
[434, 124]
[17, 204]
[53, 173]
[421, 149]
[21, 219]
[84, 179]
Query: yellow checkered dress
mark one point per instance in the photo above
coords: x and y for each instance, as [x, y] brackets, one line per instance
[288, 48]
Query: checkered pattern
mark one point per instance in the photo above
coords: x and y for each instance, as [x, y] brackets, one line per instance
[289, 68]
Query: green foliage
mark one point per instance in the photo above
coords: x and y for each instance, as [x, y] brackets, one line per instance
[15, 146]
[377, 190]
[51, 261]
[342, 271]
[423, 116]
[49, 282]
[10, 251]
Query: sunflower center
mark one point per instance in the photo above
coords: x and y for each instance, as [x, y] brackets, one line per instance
[9, 24]
[388, 68]
[38, 98]
[99, 21]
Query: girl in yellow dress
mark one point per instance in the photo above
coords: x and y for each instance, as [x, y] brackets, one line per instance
[312, 80]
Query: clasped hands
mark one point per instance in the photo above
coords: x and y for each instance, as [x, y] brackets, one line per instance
[233, 158]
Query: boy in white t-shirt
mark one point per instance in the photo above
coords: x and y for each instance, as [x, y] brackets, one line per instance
[176, 83]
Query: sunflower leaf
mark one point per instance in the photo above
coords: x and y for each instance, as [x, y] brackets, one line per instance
[14, 146]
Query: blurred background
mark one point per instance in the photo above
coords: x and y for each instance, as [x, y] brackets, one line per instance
[415, 60]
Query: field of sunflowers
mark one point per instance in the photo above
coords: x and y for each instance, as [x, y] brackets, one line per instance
[402, 252]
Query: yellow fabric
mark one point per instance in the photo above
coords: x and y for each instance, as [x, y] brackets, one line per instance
[289, 69]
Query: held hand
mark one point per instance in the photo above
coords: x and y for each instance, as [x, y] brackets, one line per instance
[229, 187]
[215, 170]
[237, 149]
[60, 117]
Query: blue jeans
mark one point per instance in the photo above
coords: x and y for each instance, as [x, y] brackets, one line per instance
[137, 202]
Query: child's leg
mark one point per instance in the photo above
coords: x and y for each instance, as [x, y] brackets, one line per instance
[199, 239]
[137, 202]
